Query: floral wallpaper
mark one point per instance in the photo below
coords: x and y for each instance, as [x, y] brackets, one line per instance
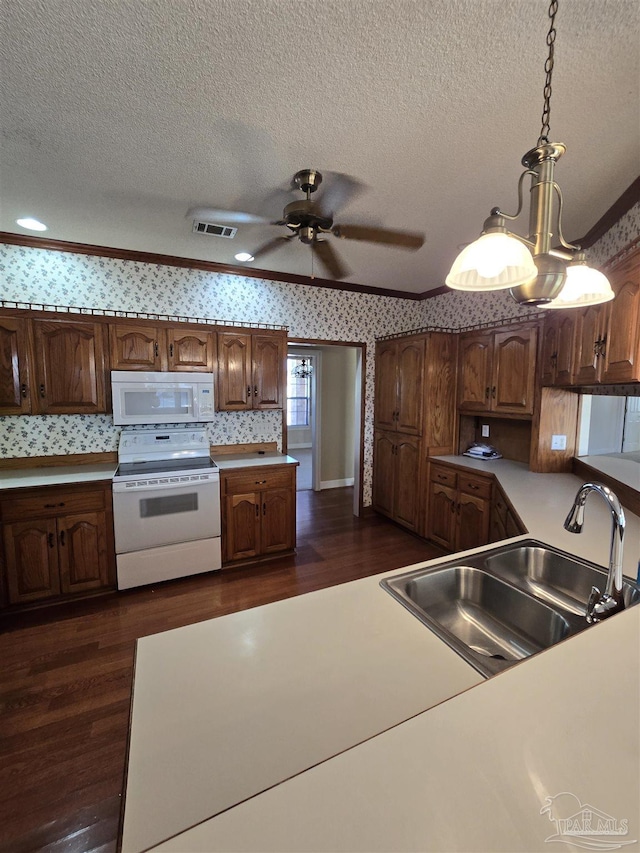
[60, 278]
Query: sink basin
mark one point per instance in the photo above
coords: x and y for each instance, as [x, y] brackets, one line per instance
[552, 577]
[505, 604]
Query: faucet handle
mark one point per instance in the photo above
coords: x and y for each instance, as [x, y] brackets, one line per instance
[594, 598]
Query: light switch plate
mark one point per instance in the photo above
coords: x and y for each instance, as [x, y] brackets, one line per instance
[558, 442]
[485, 430]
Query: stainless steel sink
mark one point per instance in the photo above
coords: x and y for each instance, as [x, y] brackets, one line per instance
[505, 604]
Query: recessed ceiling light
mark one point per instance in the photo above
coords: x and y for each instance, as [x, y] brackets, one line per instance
[243, 256]
[31, 224]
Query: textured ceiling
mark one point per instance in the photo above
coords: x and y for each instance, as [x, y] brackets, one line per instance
[119, 115]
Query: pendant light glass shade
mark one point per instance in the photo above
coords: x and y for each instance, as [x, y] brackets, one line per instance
[495, 261]
[583, 286]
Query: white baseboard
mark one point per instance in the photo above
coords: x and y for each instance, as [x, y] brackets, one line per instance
[336, 484]
[298, 446]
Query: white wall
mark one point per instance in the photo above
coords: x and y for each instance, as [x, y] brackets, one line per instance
[338, 415]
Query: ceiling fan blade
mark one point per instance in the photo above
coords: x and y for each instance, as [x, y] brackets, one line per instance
[233, 217]
[271, 245]
[401, 239]
[329, 259]
[338, 191]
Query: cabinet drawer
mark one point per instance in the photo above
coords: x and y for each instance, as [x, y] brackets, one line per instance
[474, 485]
[237, 484]
[53, 504]
[444, 475]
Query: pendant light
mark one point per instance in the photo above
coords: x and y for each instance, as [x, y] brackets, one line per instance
[533, 271]
[302, 370]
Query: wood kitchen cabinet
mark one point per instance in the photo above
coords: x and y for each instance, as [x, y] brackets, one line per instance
[459, 507]
[250, 371]
[149, 347]
[58, 542]
[497, 371]
[557, 355]
[399, 382]
[15, 387]
[258, 512]
[621, 349]
[505, 522]
[396, 484]
[70, 367]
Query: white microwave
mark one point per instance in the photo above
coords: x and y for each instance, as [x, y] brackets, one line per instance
[161, 398]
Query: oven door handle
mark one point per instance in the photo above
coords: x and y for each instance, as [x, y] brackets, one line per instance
[121, 488]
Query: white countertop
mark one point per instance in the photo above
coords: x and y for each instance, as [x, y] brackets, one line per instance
[56, 475]
[226, 711]
[623, 467]
[253, 459]
[543, 500]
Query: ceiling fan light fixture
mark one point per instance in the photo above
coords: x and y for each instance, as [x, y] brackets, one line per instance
[584, 286]
[244, 257]
[31, 223]
[495, 261]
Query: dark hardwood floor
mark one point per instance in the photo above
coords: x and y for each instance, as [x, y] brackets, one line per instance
[67, 671]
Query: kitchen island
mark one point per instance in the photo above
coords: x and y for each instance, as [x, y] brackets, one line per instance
[322, 722]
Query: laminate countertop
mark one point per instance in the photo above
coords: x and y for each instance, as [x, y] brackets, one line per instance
[56, 475]
[337, 721]
[234, 461]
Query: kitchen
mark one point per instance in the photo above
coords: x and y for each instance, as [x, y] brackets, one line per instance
[54, 276]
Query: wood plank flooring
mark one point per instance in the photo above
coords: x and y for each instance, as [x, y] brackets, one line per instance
[66, 672]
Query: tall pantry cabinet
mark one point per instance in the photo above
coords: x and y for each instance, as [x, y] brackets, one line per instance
[414, 419]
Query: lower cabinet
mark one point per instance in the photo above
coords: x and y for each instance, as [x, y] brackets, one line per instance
[57, 543]
[504, 521]
[459, 508]
[396, 478]
[258, 512]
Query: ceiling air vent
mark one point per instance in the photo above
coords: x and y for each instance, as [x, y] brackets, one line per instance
[213, 230]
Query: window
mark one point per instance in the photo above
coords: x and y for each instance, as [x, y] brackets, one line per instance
[298, 394]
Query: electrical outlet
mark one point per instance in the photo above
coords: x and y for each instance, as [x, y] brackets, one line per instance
[485, 430]
[558, 442]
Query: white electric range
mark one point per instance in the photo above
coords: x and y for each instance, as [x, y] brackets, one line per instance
[166, 505]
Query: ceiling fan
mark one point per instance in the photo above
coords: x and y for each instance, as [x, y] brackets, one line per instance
[308, 221]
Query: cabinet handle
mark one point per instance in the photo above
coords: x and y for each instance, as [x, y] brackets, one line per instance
[62, 538]
[51, 506]
[442, 476]
[260, 482]
[249, 391]
[458, 507]
[486, 393]
[257, 510]
[42, 390]
[554, 359]
[603, 345]
[471, 486]
[255, 390]
[52, 541]
[155, 348]
[264, 508]
[23, 389]
[170, 351]
[493, 392]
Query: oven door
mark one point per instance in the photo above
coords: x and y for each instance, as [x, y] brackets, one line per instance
[163, 513]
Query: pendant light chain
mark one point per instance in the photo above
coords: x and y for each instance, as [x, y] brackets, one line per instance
[548, 67]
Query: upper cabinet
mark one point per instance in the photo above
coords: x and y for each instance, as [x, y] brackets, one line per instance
[15, 390]
[399, 381]
[598, 343]
[146, 347]
[250, 370]
[497, 371]
[69, 366]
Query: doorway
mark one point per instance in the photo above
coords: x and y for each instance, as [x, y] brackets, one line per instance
[324, 415]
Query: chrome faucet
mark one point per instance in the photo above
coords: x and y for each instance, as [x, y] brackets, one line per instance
[602, 604]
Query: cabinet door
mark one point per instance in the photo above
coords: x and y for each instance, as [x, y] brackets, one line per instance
[497, 528]
[514, 371]
[589, 331]
[278, 521]
[406, 510]
[234, 372]
[136, 347]
[190, 350]
[82, 550]
[386, 385]
[622, 345]
[268, 353]
[70, 367]
[474, 386]
[31, 550]
[473, 521]
[410, 381]
[384, 472]
[242, 523]
[442, 517]
[549, 350]
[565, 349]
[15, 397]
